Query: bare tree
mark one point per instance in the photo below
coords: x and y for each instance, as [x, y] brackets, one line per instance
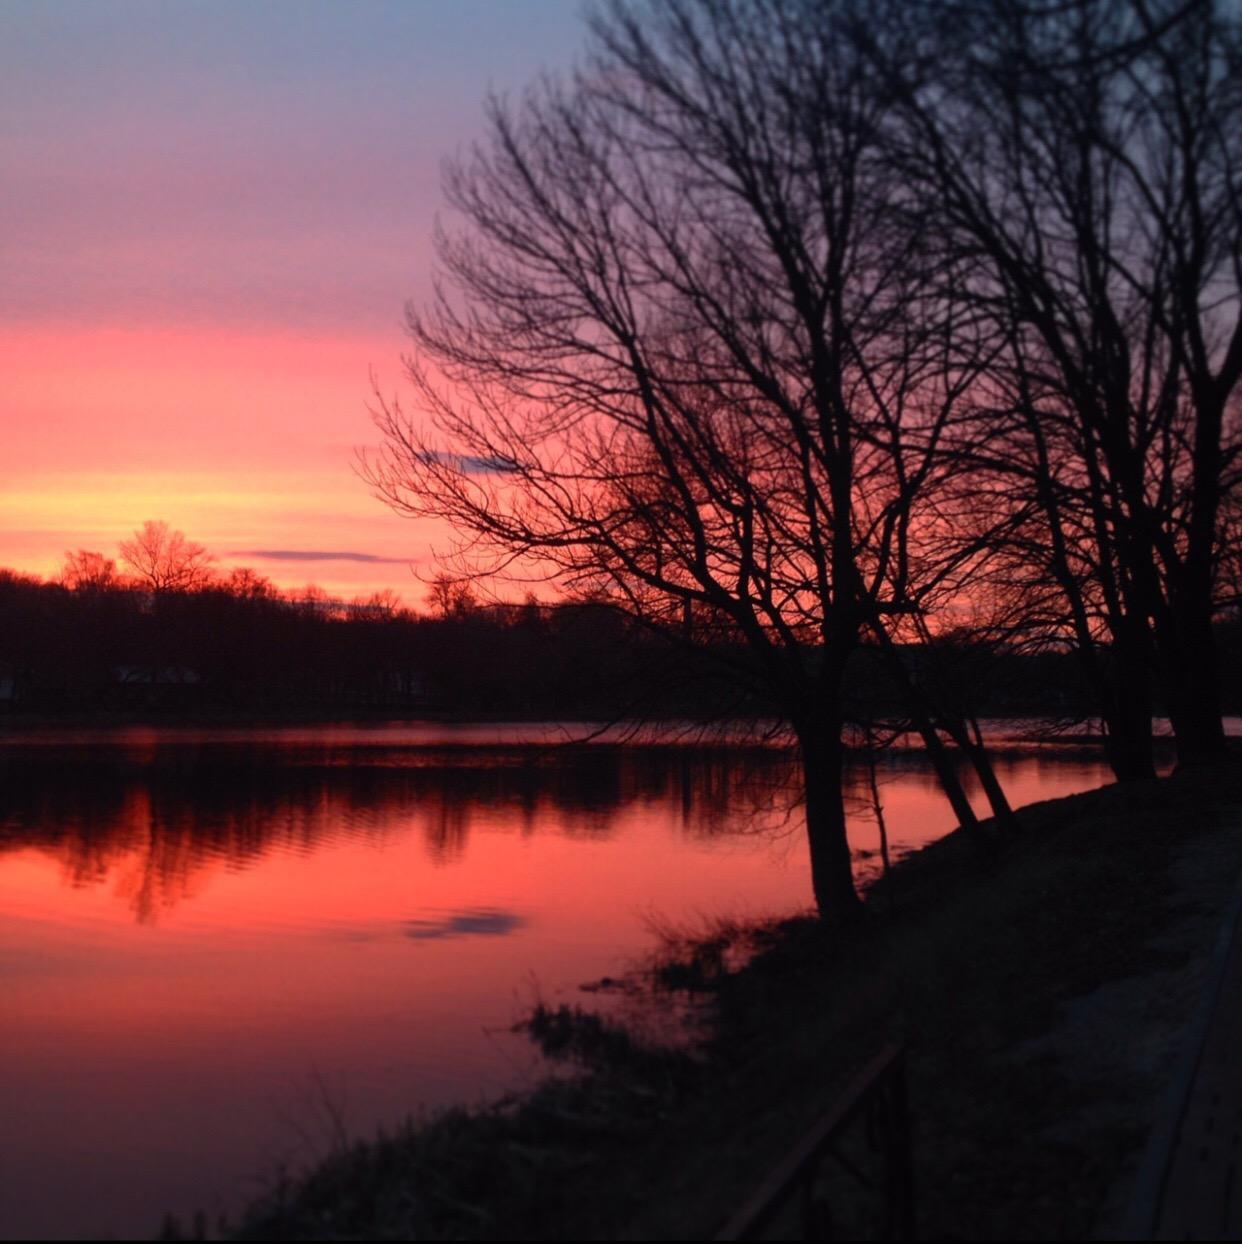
[87, 571]
[164, 560]
[381, 606]
[248, 584]
[685, 359]
[1086, 160]
[450, 597]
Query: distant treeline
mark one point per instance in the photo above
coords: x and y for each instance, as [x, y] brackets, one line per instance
[238, 645]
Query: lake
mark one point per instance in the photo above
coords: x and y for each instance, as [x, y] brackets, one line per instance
[223, 949]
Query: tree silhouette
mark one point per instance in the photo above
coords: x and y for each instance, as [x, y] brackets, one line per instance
[687, 359]
[164, 560]
[87, 571]
[1084, 157]
[450, 597]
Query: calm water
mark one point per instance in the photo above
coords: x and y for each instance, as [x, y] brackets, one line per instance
[220, 948]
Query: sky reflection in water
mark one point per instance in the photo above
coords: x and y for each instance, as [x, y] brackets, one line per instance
[208, 949]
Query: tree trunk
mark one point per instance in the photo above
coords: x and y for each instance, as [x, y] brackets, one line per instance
[1120, 679]
[946, 771]
[1125, 674]
[1192, 691]
[920, 715]
[1127, 751]
[1191, 684]
[832, 869]
[973, 749]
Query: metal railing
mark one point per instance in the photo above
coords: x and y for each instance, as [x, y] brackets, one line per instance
[875, 1100]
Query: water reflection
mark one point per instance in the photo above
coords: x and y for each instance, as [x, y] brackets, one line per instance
[157, 818]
[194, 928]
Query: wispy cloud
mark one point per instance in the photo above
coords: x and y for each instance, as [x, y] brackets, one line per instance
[321, 555]
[468, 464]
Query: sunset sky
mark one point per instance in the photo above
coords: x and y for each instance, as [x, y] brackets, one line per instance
[213, 214]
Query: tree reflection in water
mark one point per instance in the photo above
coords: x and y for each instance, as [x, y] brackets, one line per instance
[155, 820]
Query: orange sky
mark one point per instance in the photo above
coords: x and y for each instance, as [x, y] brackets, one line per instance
[213, 215]
[243, 439]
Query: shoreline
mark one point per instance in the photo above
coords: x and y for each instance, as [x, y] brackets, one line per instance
[1002, 735]
[1041, 988]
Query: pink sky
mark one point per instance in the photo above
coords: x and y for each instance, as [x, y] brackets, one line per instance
[213, 216]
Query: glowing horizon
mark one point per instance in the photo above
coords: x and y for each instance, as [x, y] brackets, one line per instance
[214, 216]
[274, 472]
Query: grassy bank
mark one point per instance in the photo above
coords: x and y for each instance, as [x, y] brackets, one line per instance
[1042, 988]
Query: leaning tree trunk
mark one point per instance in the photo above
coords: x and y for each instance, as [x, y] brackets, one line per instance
[972, 748]
[946, 772]
[832, 869]
[921, 716]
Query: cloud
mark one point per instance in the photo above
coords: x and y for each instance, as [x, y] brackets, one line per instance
[473, 922]
[321, 555]
[468, 464]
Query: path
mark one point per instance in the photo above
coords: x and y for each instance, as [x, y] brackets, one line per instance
[1190, 1187]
